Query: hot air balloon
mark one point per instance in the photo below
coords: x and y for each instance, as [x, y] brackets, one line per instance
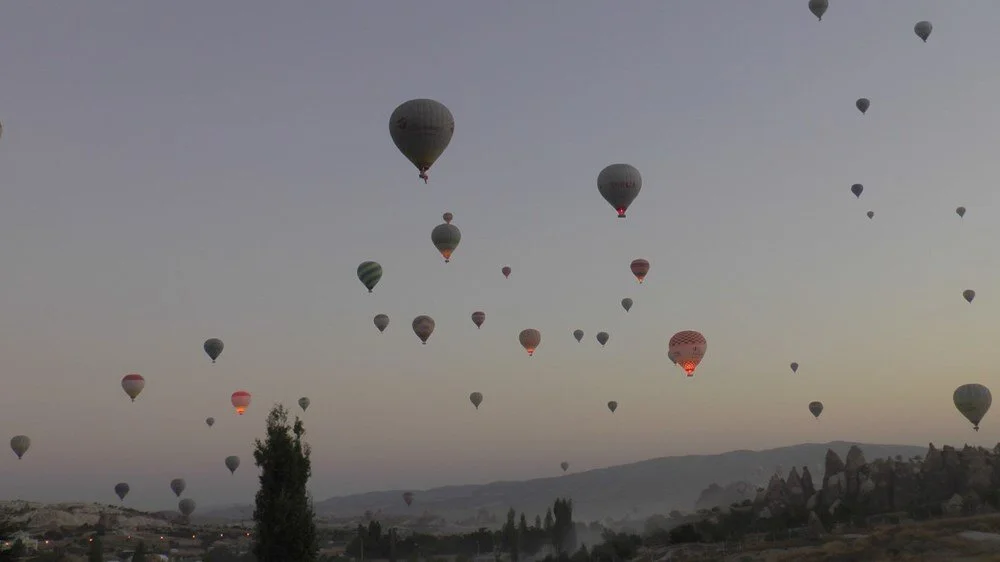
[241, 401]
[578, 334]
[478, 317]
[627, 304]
[421, 130]
[423, 326]
[687, 348]
[381, 322]
[612, 405]
[369, 272]
[795, 367]
[960, 211]
[973, 401]
[818, 8]
[446, 237]
[506, 271]
[476, 398]
[408, 498]
[133, 385]
[863, 104]
[447, 217]
[856, 189]
[232, 463]
[969, 294]
[923, 30]
[871, 214]
[210, 421]
[619, 184]
[178, 485]
[121, 490]
[213, 347]
[304, 403]
[816, 408]
[20, 445]
[530, 339]
[564, 465]
[602, 338]
[186, 507]
[640, 268]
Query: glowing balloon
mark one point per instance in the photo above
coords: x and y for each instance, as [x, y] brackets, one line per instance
[530, 340]
[241, 401]
[687, 348]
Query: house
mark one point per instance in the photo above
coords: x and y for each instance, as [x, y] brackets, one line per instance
[28, 542]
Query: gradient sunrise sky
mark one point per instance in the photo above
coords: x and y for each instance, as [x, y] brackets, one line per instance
[174, 171]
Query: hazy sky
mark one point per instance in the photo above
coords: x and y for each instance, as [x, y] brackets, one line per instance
[174, 171]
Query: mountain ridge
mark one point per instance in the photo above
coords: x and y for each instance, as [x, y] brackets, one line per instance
[632, 490]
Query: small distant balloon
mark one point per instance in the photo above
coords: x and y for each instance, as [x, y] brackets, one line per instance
[232, 463]
[209, 422]
[564, 465]
[476, 398]
[304, 403]
[818, 8]
[369, 273]
[795, 367]
[960, 211]
[20, 445]
[445, 238]
[627, 304]
[612, 405]
[423, 327]
[856, 189]
[186, 506]
[530, 339]
[408, 498]
[863, 104]
[923, 30]
[969, 294]
[213, 347]
[177, 485]
[478, 317]
[133, 385]
[447, 217]
[241, 401]
[640, 268]
[602, 338]
[871, 214]
[506, 271]
[121, 490]
[381, 322]
[578, 334]
[816, 408]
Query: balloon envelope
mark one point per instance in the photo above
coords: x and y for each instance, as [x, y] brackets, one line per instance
[968, 295]
[564, 465]
[20, 445]
[923, 30]
[177, 485]
[421, 129]
[213, 347]
[973, 401]
[304, 403]
[863, 104]
[856, 189]
[447, 217]
[241, 401]
[506, 271]
[960, 211]
[619, 184]
[794, 366]
[133, 385]
[578, 334]
[381, 322]
[478, 317]
[186, 506]
[476, 398]
[640, 268]
[232, 463]
[408, 497]
[121, 490]
[423, 326]
[612, 405]
[627, 304]
[210, 421]
[687, 348]
[369, 273]
[818, 8]
[816, 408]
[445, 238]
[530, 339]
[602, 338]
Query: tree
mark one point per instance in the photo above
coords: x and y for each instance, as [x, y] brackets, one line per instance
[509, 536]
[140, 552]
[548, 520]
[284, 521]
[522, 525]
[563, 530]
[96, 552]
[18, 550]
[538, 521]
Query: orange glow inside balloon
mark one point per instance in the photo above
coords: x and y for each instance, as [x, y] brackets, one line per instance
[447, 254]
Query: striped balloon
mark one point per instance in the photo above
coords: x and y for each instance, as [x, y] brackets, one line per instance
[369, 272]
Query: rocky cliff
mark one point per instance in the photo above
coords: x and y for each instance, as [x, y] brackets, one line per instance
[945, 480]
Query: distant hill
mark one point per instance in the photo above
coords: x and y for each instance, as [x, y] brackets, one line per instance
[637, 490]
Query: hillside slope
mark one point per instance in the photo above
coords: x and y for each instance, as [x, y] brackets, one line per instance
[640, 489]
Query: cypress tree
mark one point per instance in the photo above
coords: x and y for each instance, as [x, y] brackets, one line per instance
[284, 524]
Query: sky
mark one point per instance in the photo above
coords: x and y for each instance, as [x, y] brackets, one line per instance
[175, 171]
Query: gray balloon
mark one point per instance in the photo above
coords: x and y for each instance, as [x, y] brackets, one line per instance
[121, 490]
[612, 405]
[578, 334]
[186, 506]
[863, 104]
[304, 403]
[818, 8]
[446, 237]
[20, 445]
[816, 408]
[210, 421]
[923, 30]
[476, 398]
[421, 130]
[423, 326]
[232, 463]
[627, 304]
[968, 295]
[213, 347]
[381, 322]
[602, 338]
[178, 485]
[960, 211]
[478, 317]
[619, 184]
